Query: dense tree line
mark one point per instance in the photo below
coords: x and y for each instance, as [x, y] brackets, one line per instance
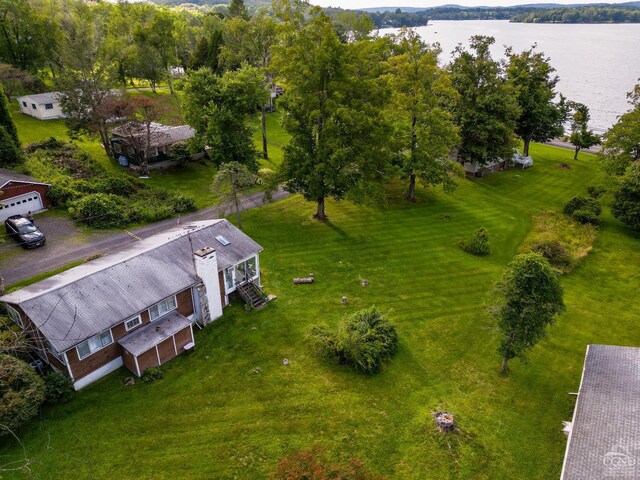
[360, 108]
[587, 14]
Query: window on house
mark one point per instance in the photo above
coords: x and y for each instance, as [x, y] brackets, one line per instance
[228, 277]
[48, 106]
[93, 344]
[33, 105]
[223, 240]
[24, 104]
[161, 308]
[132, 323]
[15, 316]
[240, 273]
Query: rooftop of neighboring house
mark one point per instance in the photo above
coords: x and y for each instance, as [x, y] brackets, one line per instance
[90, 298]
[42, 98]
[605, 434]
[161, 135]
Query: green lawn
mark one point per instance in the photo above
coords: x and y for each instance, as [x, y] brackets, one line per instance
[211, 417]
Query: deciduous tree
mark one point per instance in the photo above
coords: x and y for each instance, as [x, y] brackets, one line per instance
[218, 108]
[22, 392]
[621, 143]
[581, 135]
[533, 79]
[530, 296]
[626, 204]
[424, 129]
[487, 110]
[334, 113]
[231, 179]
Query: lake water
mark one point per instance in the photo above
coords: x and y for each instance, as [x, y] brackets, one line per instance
[597, 64]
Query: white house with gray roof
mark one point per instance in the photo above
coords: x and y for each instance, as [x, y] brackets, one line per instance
[137, 307]
[43, 106]
[604, 436]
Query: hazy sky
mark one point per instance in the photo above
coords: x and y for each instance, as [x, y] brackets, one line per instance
[433, 3]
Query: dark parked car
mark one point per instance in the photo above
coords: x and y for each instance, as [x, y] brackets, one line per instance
[24, 231]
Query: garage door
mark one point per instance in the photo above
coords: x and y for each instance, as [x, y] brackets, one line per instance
[20, 205]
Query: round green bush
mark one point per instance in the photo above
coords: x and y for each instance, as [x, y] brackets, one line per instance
[22, 391]
[583, 209]
[364, 340]
[59, 387]
[62, 194]
[184, 204]
[118, 185]
[478, 245]
[152, 374]
[100, 210]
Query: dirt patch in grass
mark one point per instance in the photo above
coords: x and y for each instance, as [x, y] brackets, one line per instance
[560, 238]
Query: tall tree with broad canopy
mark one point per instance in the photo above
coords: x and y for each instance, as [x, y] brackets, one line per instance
[218, 108]
[334, 113]
[530, 296]
[252, 41]
[621, 144]
[534, 82]
[487, 110]
[626, 202]
[422, 99]
[581, 135]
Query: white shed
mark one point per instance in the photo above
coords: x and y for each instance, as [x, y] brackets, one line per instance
[44, 106]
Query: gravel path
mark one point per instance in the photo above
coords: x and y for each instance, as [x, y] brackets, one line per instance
[67, 244]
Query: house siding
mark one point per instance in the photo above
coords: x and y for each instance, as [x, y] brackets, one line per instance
[147, 360]
[15, 188]
[223, 287]
[184, 300]
[166, 350]
[183, 337]
[128, 360]
[81, 368]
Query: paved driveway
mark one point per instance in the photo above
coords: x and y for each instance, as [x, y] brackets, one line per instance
[66, 243]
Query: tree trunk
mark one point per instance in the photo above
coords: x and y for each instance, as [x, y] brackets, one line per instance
[234, 193]
[411, 195]
[170, 81]
[265, 152]
[320, 215]
[504, 368]
[575, 155]
[525, 150]
[104, 137]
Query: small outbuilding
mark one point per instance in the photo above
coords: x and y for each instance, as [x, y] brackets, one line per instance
[43, 106]
[20, 194]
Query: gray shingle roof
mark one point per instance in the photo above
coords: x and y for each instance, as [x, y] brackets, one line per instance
[7, 176]
[161, 135]
[41, 98]
[83, 301]
[605, 435]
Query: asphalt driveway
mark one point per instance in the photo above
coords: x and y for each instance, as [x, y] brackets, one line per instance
[66, 243]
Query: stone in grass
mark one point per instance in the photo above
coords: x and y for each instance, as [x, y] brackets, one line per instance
[364, 283]
[445, 421]
[344, 300]
[257, 370]
[129, 381]
[285, 361]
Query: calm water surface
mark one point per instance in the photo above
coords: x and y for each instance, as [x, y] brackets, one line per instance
[597, 64]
